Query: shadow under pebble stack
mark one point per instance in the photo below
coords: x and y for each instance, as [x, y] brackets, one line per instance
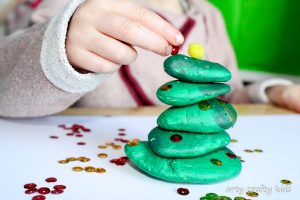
[189, 143]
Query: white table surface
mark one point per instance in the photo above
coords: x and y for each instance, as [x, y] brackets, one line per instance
[27, 155]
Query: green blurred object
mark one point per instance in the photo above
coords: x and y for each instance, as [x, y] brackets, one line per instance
[265, 34]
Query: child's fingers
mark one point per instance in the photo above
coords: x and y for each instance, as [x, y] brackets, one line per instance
[151, 20]
[111, 49]
[133, 33]
[89, 61]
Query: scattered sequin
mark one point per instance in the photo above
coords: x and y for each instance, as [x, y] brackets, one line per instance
[57, 191]
[39, 197]
[59, 187]
[239, 198]
[248, 150]
[258, 150]
[122, 134]
[30, 191]
[43, 190]
[51, 180]
[252, 194]
[102, 146]
[286, 182]
[233, 140]
[77, 169]
[54, 137]
[70, 159]
[81, 143]
[30, 186]
[116, 147]
[89, 169]
[120, 161]
[102, 155]
[109, 143]
[183, 191]
[63, 161]
[100, 170]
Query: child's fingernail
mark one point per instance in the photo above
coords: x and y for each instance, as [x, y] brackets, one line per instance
[169, 50]
[179, 39]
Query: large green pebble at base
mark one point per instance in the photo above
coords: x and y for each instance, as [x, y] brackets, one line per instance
[193, 70]
[204, 117]
[183, 144]
[178, 93]
[210, 168]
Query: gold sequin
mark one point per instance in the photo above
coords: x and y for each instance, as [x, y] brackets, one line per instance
[248, 151]
[70, 159]
[77, 169]
[216, 162]
[102, 146]
[110, 143]
[116, 147]
[63, 161]
[286, 182]
[134, 142]
[102, 155]
[166, 87]
[252, 194]
[233, 140]
[89, 169]
[84, 159]
[100, 170]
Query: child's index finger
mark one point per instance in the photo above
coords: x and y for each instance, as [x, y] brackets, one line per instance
[150, 20]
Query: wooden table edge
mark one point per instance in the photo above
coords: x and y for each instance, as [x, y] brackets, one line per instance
[243, 109]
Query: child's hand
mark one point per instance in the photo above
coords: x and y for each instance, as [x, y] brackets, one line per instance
[285, 96]
[102, 34]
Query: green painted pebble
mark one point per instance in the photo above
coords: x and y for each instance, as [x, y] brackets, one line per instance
[185, 170]
[203, 117]
[183, 144]
[193, 70]
[178, 93]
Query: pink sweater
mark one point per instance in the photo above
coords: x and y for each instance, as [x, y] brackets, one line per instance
[36, 78]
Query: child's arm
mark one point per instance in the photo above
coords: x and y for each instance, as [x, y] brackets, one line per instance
[37, 74]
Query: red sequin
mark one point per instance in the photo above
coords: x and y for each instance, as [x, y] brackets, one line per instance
[122, 134]
[81, 143]
[183, 191]
[51, 180]
[31, 191]
[57, 191]
[70, 134]
[120, 161]
[43, 190]
[175, 50]
[231, 155]
[176, 138]
[54, 137]
[79, 135]
[30, 186]
[122, 129]
[39, 197]
[59, 187]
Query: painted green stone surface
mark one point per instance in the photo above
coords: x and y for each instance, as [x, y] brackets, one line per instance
[201, 169]
[178, 93]
[193, 70]
[203, 117]
[190, 145]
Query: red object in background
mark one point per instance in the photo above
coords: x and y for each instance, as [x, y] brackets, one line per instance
[175, 50]
[35, 3]
[30, 191]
